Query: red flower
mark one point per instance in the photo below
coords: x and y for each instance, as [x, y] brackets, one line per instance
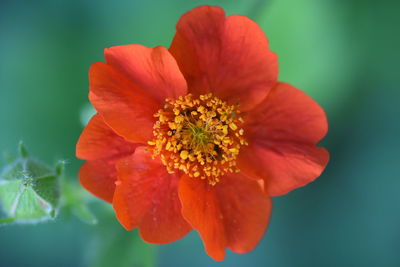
[199, 136]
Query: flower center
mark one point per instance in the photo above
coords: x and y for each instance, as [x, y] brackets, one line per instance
[201, 136]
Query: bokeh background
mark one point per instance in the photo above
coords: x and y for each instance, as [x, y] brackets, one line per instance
[343, 53]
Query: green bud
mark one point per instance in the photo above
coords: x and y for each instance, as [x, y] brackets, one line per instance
[29, 189]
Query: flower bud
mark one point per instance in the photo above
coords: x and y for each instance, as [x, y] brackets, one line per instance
[29, 189]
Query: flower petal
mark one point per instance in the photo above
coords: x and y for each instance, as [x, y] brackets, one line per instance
[123, 107]
[152, 69]
[132, 86]
[226, 56]
[146, 197]
[99, 141]
[102, 147]
[283, 166]
[287, 114]
[282, 133]
[232, 214]
[98, 177]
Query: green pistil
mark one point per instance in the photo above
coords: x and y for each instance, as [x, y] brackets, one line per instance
[198, 136]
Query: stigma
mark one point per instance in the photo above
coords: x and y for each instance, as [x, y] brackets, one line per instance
[199, 136]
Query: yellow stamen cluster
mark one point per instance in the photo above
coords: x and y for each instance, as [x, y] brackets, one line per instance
[201, 136]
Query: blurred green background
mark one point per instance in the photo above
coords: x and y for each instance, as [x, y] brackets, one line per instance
[344, 53]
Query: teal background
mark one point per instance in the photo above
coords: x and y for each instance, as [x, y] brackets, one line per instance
[345, 54]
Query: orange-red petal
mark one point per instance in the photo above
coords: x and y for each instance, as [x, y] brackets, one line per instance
[101, 146]
[98, 177]
[146, 197]
[232, 214]
[284, 167]
[228, 56]
[152, 69]
[282, 133]
[98, 141]
[132, 86]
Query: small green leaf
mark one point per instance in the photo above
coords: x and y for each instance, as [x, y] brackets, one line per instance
[60, 167]
[13, 171]
[48, 189]
[22, 150]
[29, 207]
[37, 169]
[9, 192]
